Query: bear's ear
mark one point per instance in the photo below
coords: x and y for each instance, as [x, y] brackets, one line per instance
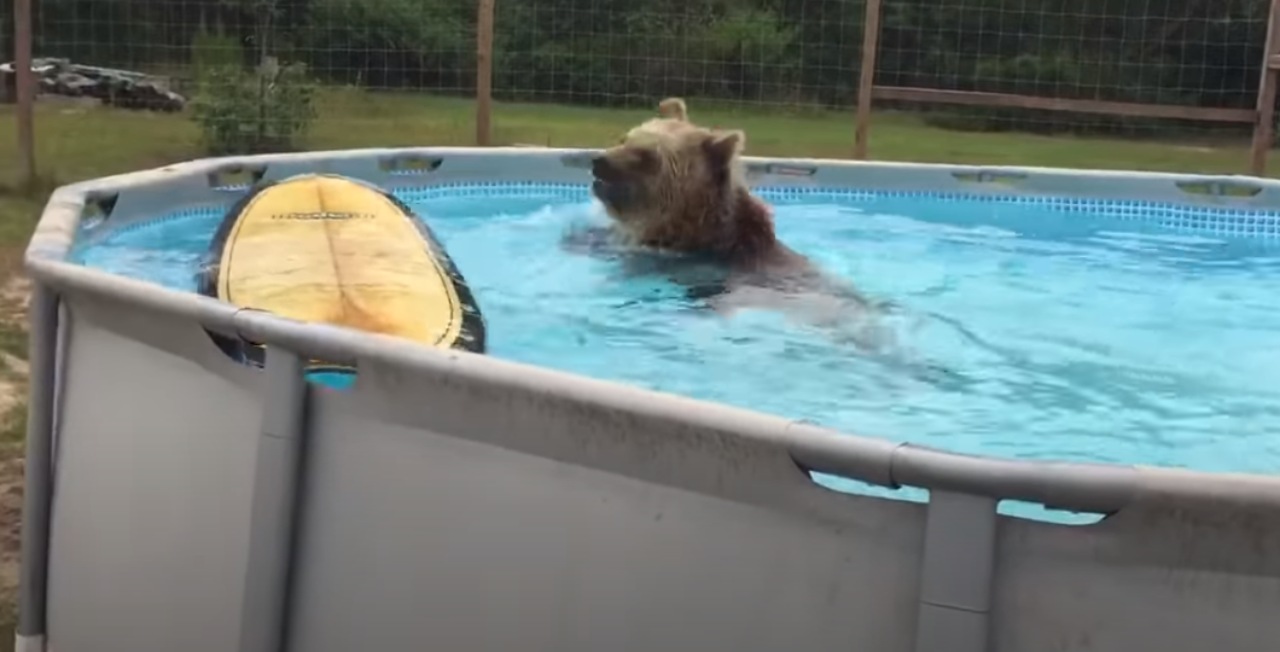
[723, 147]
[673, 108]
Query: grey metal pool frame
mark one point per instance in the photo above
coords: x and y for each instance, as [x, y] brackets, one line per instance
[178, 501]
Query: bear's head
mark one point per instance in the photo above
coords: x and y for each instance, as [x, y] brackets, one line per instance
[675, 185]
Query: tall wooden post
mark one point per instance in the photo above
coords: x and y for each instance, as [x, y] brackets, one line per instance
[26, 89]
[866, 78]
[1264, 128]
[484, 72]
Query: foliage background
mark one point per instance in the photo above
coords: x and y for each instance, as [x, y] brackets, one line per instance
[798, 53]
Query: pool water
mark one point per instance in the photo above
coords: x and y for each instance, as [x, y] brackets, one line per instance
[1022, 331]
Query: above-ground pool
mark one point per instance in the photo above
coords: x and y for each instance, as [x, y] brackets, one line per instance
[1057, 326]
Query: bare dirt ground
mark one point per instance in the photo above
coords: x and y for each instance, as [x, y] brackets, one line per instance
[10, 512]
[14, 294]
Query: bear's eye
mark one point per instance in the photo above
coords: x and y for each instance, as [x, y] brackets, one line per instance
[647, 161]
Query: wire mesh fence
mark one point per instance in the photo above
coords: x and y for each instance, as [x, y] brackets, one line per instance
[269, 75]
[1169, 52]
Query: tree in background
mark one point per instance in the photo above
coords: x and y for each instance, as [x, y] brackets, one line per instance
[246, 100]
[787, 52]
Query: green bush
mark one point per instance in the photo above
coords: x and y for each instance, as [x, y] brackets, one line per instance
[247, 111]
[253, 111]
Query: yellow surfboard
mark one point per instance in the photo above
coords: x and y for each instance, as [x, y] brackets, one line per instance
[326, 248]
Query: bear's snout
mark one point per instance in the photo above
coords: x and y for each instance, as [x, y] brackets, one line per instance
[602, 169]
[612, 194]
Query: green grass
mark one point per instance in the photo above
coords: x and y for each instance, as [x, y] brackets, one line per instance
[75, 142]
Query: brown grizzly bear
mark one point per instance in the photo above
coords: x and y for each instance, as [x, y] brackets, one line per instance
[674, 186]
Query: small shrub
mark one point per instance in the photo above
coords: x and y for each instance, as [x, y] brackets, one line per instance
[253, 111]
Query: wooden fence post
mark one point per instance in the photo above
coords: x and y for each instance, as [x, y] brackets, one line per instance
[26, 87]
[1264, 125]
[866, 78]
[484, 72]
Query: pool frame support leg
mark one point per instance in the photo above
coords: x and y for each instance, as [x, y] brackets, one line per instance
[38, 494]
[276, 499]
[956, 575]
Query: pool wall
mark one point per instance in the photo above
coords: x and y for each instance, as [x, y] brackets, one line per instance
[179, 501]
